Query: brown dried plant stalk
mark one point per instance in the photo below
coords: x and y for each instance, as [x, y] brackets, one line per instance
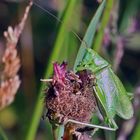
[9, 79]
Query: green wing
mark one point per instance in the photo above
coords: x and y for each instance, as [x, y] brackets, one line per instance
[105, 91]
[123, 107]
[113, 94]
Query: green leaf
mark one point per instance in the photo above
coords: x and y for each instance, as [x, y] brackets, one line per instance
[104, 22]
[89, 35]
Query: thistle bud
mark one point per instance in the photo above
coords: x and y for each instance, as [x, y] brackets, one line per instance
[70, 95]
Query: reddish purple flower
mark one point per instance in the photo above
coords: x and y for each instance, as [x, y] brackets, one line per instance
[59, 73]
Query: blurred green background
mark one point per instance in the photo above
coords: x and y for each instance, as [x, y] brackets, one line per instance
[121, 47]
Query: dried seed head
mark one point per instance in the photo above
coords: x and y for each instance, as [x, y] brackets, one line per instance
[70, 95]
[8, 90]
[9, 79]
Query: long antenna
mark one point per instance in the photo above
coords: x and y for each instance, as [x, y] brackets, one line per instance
[55, 17]
[47, 11]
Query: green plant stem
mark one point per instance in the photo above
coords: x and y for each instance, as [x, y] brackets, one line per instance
[55, 56]
[54, 132]
[61, 132]
[3, 135]
[109, 135]
[104, 21]
[136, 135]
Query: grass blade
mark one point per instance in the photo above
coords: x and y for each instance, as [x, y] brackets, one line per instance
[136, 135]
[104, 21]
[55, 56]
[61, 36]
[3, 136]
[89, 35]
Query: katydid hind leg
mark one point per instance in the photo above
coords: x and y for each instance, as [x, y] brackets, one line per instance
[106, 115]
[92, 125]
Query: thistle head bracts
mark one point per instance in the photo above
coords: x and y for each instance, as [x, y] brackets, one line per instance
[70, 95]
[59, 73]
